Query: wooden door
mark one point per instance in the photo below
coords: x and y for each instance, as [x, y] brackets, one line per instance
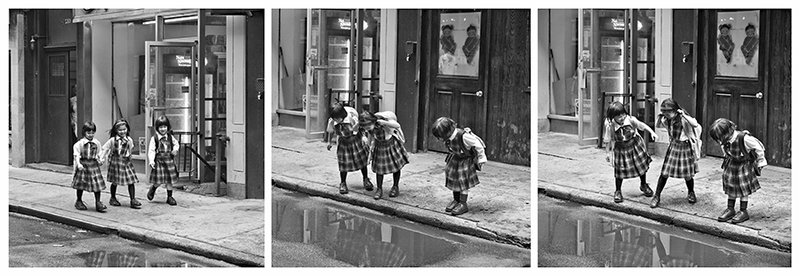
[56, 125]
[457, 70]
[407, 81]
[255, 106]
[735, 76]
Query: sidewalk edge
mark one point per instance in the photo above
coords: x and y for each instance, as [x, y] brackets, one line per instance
[150, 237]
[691, 222]
[418, 215]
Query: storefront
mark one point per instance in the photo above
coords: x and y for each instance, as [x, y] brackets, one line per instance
[366, 59]
[140, 64]
[642, 56]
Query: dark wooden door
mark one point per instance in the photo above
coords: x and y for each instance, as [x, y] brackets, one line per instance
[408, 58]
[56, 126]
[457, 87]
[255, 106]
[735, 82]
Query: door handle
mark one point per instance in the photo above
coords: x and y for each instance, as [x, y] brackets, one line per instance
[759, 95]
[479, 93]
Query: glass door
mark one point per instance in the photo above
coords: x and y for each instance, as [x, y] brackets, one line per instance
[170, 69]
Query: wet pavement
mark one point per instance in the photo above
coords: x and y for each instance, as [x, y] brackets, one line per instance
[35, 242]
[317, 232]
[573, 235]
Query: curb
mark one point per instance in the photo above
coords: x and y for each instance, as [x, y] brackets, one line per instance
[683, 220]
[424, 216]
[147, 236]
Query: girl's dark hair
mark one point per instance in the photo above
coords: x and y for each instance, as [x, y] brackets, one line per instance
[750, 26]
[724, 26]
[443, 126]
[471, 27]
[88, 126]
[367, 118]
[670, 104]
[615, 109]
[163, 121]
[720, 127]
[113, 131]
[447, 27]
[337, 111]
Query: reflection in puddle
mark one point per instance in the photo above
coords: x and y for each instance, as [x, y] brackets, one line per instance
[359, 239]
[102, 258]
[568, 236]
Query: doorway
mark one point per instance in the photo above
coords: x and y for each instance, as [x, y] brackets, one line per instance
[58, 127]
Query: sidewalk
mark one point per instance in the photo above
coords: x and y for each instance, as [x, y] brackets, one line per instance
[230, 230]
[581, 174]
[499, 208]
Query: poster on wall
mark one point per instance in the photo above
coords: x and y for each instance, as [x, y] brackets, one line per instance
[737, 44]
[459, 43]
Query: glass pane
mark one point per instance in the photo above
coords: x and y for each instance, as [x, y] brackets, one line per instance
[174, 94]
[183, 28]
[215, 79]
[737, 44]
[459, 43]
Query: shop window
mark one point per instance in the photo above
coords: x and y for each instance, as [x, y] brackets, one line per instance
[292, 57]
[459, 43]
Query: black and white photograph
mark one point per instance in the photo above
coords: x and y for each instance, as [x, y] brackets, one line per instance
[664, 138]
[136, 138]
[401, 137]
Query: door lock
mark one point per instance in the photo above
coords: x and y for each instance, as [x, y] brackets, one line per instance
[479, 93]
[759, 95]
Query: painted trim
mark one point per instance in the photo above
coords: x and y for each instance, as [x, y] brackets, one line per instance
[388, 60]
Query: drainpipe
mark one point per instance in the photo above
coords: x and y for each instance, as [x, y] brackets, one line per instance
[222, 139]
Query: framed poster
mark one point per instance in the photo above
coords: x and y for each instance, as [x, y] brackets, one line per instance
[459, 43]
[737, 44]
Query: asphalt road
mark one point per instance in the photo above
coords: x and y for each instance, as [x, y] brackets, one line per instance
[34, 242]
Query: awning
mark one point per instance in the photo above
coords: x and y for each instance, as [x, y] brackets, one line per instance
[83, 15]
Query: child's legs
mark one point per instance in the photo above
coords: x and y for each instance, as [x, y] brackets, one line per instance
[97, 196]
[113, 190]
[465, 191]
[643, 179]
[743, 203]
[618, 183]
[396, 178]
[131, 191]
[690, 184]
[364, 172]
[79, 194]
[379, 180]
[343, 177]
[662, 181]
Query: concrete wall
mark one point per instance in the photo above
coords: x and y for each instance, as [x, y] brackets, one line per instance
[128, 46]
[388, 60]
[274, 65]
[101, 77]
[16, 48]
[663, 75]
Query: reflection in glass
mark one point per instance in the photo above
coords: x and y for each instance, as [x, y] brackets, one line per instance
[459, 43]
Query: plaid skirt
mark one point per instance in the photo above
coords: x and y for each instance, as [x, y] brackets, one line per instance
[679, 161]
[352, 153]
[631, 158]
[90, 178]
[120, 171]
[739, 178]
[165, 171]
[388, 156]
[460, 173]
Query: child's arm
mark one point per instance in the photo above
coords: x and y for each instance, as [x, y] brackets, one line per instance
[472, 141]
[107, 148]
[151, 152]
[76, 149]
[607, 137]
[130, 147]
[100, 151]
[176, 145]
[389, 123]
[642, 126]
[331, 132]
[752, 143]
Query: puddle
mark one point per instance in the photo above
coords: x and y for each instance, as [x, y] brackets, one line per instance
[103, 258]
[576, 236]
[359, 239]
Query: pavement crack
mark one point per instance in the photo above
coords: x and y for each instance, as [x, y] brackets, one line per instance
[286, 149]
[557, 156]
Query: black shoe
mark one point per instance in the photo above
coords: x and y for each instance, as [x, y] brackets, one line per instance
[461, 207]
[618, 196]
[740, 217]
[171, 201]
[114, 202]
[656, 200]
[378, 193]
[646, 190]
[135, 204]
[727, 215]
[691, 197]
[151, 193]
[456, 198]
[343, 188]
[394, 192]
[367, 184]
[98, 205]
[80, 205]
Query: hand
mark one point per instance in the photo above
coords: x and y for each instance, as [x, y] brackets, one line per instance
[758, 170]
[480, 166]
[329, 146]
[174, 152]
[654, 136]
[152, 165]
[80, 166]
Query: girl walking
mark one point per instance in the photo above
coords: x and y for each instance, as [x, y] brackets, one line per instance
[352, 151]
[683, 151]
[120, 168]
[744, 159]
[160, 156]
[466, 157]
[88, 177]
[626, 150]
[388, 154]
